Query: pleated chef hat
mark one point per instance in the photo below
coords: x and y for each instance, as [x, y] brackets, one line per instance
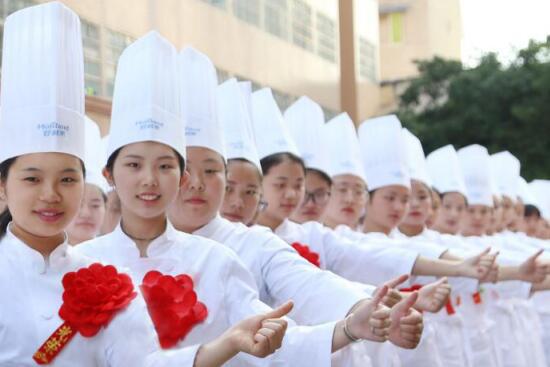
[383, 154]
[94, 157]
[445, 171]
[270, 132]
[200, 110]
[474, 161]
[506, 170]
[343, 149]
[304, 120]
[42, 87]
[146, 105]
[236, 124]
[525, 193]
[541, 190]
[415, 158]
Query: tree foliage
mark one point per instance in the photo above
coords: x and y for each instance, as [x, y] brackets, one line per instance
[503, 107]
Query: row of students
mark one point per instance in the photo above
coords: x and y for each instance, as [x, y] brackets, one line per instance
[183, 150]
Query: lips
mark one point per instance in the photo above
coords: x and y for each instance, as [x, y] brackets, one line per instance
[415, 214]
[288, 207]
[49, 215]
[309, 212]
[149, 196]
[233, 217]
[348, 210]
[196, 201]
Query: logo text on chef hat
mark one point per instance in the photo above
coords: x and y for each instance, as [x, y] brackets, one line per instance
[53, 129]
[149, 124]
[237, 145]
[192, 131]
[346, 164]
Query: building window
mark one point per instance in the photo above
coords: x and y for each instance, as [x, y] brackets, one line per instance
[116, 43]
[396, 23]
[326, 37]
[247, 10]
[367, 60]
[301, 25]
[276, 17]
[91, 41]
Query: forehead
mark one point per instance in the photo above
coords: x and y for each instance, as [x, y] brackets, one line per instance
[243, 171]
[148, 149]
[394, 190]
[348, 180]
[202, 154]
[50, 162]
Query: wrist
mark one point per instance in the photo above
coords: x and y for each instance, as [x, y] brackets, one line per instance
[350, 334]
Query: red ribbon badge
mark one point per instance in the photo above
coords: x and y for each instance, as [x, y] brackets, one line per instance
[91, 298]
[173, 306]
[307, 254]
[477, 298]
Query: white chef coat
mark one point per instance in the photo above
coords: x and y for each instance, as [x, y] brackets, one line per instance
[32, 291]
[221, 282]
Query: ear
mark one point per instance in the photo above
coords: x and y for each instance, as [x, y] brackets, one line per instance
[3, 196]
[108, 176]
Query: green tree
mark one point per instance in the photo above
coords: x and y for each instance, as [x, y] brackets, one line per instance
[503, 107]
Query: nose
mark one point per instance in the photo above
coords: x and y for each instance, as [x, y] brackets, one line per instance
[150, 177]
[49, 193]
[196, 181]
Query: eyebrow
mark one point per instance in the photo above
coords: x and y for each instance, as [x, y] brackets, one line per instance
[34, 169]
[135, 156]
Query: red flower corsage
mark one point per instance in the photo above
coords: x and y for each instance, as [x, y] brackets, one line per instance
[173, 306]
[91, 298]
[307, 254]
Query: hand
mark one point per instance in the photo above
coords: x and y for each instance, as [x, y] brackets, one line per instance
[260, 335]
[371, 320]
[393, 296]
[406, 323]
[533, 270]
[477, 266]
[434, 296]
[492, 276]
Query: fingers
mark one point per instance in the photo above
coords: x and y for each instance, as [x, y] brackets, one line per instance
[535, 255]
[379, 295]
[280, 311]
[397, 281]
[402, 307]
[270, 337]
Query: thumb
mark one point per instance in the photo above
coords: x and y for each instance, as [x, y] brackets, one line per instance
[484, 252]
[379, 295]
[279, 312]
[397, 281]
[534, 257]
[402, 307]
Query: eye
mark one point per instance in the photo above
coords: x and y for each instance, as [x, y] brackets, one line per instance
[68, 180]
[31, 179]
[251, 192]
[132, 164]
[166, 166]
[210, 171]
[228, 189]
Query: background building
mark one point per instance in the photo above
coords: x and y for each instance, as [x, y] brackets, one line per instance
[326, 49]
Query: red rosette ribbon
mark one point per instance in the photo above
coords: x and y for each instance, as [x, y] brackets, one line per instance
[92, 297]
[307, 254]
[477, 298]
[173, 306]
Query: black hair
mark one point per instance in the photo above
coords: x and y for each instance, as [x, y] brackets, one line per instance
[531, 210]
[371, 194]
[322, 174]
[243, 160]
[5, 216]
[112, 158]
[275, 159]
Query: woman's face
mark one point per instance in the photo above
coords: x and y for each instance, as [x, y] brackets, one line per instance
[387, 206]
[147, 178]
[436, 205]
[508, 212]
[476, 220]
[201, 197]
[453, 206]
[283, 189]
[112, 213]
[242, 191]
[43, 192]
[496, 216]
[87, 223]
[347, 201]
[420, 205]
[316, 199]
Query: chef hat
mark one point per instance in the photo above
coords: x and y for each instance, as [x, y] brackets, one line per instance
[445, 171]
[415, 158]
[146, 105]
[270, 132]
[342, 146]
[525, 193]
[506, 170]
[94, 157]
[42, 86]
[474, 161]
[199, 106]
[236, 124]
[304, 119]
[383, 154]
[541, 191]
